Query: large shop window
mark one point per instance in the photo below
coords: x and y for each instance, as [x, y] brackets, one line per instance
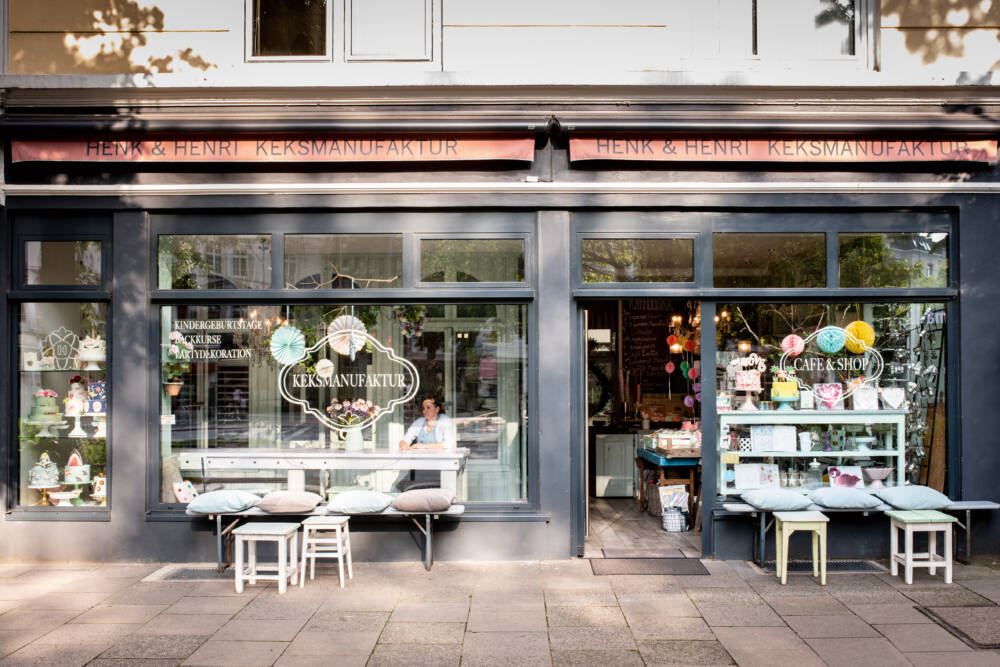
[242, 381]
[844, 394]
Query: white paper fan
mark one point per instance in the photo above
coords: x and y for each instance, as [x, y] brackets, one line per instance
[346, 335]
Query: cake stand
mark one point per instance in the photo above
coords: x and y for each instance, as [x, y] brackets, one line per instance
[748, 404]
[91, 360]
[784, 402]
[66, 498]
[876, 476]
[75, 493]
[100, 424]
[44, 490]
[77, 431]
[44, 427]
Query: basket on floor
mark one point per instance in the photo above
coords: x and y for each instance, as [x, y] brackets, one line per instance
[675, 520]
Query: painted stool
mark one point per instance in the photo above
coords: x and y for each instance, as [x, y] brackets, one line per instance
[318, 543]
[787, 523]
[248, 535]
[931, 522]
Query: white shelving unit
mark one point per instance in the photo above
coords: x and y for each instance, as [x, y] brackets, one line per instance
[830, 418]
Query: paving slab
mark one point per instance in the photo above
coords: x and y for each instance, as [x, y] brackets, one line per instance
[809, 604]
[831, 627]
[651, 604]
[457, 612]
[391, 655]
[732, 615]
[497, 619]
[652, 583]
[214, 604]
[7, 605]
[980, 624]
[132, 662]
[369, 599]
[565, 639]
[216, 653]
[585, 616]
[350, 660]
[506, 648]
[347, 621]
[219, 588]
[323, 643]
[890, 613]
[11, 640]
[35, 619]
[63, 601]
[133, 571]
[254, 630]
[155, 646]
[744, 595]
[68, 645]
[422, 633]
[184, 624]
[671, 628]
[683, 653]
[120, 613]
[767, 647]
[590, 598]
[943, 659]
[917, 638]
[870, 652]
[956, 596]
[588, 658]
[150, 592]
[270, 605]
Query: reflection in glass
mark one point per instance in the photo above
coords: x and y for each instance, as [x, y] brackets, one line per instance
[289, 27]
[332, 261]
[637, 260]
[62, 401]
[910, 339]
[472, 260]
[62, 262]
[228, 395]
[214, 261]
[894, 260]
[805, 28]
[769, 260]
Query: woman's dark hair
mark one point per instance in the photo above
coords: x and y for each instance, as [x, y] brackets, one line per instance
[438, 403]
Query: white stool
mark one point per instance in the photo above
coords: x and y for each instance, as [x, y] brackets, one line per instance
[919, 521]
[317, 543]
[250, 534]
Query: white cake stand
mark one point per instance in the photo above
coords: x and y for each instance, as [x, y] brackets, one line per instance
[44, 427]
[91, 360]
[65, 498]
[77, 431]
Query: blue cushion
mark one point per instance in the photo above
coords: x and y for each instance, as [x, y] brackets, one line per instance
[219, 502]
[776, 500]
[838, 497]
[359, 502]
[914, 497]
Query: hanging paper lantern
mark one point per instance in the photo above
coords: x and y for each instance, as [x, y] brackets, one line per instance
[831, 339]
[685, 366]
[670, 367]
[689, 345]
[324, 368]
[689, 401]
[698, 397]
[288, 345]
[693, 373]
[671, 339]
[863, 332]
[696, 386]
[793, 345]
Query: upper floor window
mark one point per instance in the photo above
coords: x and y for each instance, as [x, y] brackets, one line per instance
[805, 28]
[294, 29]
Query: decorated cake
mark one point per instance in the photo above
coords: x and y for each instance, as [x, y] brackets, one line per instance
[748, 380]
[76, 471]
[93, 348]
[76, 400]
[98, 396]
[44, 474]
[44, 407]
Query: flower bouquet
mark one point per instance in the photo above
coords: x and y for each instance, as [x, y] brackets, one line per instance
[351, 413]
[410, 319]
[176, 363]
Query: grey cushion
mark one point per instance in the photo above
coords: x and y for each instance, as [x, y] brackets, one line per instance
[914, 497]
[220, 502]
[289, 501]
[776, 500]
[359, 502]
[843, 498]
[424, 500]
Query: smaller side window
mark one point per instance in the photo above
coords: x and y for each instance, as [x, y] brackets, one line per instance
[292, 29]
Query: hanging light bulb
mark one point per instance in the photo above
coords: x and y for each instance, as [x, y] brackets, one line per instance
[744, 346]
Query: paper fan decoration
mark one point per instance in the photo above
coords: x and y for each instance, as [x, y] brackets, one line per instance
[288, 345]
[346, 334]
[324, 368]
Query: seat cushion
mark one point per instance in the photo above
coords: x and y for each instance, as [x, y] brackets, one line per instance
[424, 500]
[220, 502]
[359, 502]
[776, 500]
[913, 497]
[837, 497]
[289, 501]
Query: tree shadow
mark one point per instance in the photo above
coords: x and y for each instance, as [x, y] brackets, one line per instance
[118, 42]
[943, 38]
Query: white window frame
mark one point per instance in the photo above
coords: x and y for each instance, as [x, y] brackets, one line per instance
[426, 56]
[865, 25]
[249, 37]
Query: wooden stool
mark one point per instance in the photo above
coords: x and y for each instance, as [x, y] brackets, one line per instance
[317, 544]
[250, 534]
[787, 523]
[919, 521]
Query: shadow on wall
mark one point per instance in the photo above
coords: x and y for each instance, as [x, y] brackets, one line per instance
[939, 29]
[121, 37]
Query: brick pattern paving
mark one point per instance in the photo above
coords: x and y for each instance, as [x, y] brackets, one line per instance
[511, 613]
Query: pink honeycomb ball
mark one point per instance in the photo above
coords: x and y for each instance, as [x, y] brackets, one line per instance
[793, 345]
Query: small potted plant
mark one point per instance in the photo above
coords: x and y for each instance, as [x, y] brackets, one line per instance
[176, 363]
[351, 414]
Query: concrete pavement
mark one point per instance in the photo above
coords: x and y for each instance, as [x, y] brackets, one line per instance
[510, 613]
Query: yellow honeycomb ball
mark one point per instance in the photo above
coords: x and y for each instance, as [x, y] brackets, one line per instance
[863, 332]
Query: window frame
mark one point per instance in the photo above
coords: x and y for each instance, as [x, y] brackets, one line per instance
[471, 236]
[449, 223]
[249, 35]
[580, 236]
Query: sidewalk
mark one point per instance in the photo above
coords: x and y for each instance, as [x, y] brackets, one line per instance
[525, 613]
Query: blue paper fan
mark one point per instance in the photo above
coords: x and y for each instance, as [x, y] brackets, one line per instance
[288, 345]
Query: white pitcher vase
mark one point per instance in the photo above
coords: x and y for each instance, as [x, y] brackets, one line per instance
[353, 442]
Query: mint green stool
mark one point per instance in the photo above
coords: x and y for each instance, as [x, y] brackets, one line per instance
[786, 523]
[931, 522]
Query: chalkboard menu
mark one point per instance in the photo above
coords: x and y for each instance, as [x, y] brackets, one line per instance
[644, 343]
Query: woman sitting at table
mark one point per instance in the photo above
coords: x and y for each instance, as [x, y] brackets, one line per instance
[432, 431]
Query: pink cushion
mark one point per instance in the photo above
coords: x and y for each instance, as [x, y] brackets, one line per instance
[424, 500]
[289, 501]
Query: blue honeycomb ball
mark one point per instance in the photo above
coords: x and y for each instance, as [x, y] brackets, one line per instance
[831, 339]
